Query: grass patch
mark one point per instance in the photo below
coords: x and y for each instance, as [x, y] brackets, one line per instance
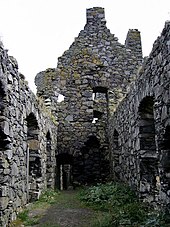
[23, 218]
[50, 225]
[68, 200]
[110, 205]
[47, 198]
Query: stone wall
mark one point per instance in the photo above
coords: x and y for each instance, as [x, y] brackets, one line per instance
[93, 75]
[140, 128]
[27, 139]
[114, 119]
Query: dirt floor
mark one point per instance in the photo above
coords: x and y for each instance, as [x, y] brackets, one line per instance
[66, 212]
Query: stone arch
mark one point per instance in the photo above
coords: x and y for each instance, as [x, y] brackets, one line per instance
[34, 171]
[64, 171]
[148, 162]
[165, 164]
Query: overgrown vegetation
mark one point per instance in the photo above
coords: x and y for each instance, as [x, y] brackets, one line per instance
[28, 221]
[111, 204]
[47, 198]
[122, 206]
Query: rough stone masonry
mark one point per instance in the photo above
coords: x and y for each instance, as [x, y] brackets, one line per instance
[93, 76]
[113, 124]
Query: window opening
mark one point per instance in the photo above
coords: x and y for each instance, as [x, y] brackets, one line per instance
[100, 104]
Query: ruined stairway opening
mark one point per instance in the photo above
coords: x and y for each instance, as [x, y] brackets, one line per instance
[165, 162]
[4, 147]
[34, 173]
[116, 155]
[3, 137]
[2, 96]
[148, 157]
[147, 125]
[3, 166]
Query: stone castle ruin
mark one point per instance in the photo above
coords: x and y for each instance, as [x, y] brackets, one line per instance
[113, 124]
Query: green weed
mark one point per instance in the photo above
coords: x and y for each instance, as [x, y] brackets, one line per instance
[107, 196]
[120, 203]
[24, 217]
[49, 196]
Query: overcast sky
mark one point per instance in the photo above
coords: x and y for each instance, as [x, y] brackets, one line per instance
[37, 32]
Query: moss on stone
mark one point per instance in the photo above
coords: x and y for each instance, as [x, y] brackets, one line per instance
[76, 75]
[97, 61]
[135, 35]
[63, 74]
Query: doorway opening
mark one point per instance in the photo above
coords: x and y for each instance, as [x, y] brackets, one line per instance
[64, 171]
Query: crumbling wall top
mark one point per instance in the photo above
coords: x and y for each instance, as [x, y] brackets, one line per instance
[95, 15]
[133, 42]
